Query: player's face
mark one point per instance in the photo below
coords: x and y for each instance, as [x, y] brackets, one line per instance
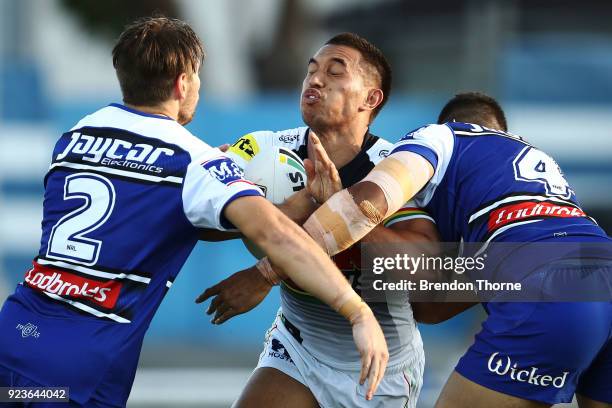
[334, 88]
[188, 106]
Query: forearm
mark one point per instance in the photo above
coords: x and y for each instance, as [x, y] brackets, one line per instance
[350, 215]
[298, 207]
[290, 249]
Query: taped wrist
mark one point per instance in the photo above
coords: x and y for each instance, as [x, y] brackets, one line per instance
[351, 306]
[267, 271]
[339, 222]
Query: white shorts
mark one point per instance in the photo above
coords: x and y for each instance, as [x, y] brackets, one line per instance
[335, 388]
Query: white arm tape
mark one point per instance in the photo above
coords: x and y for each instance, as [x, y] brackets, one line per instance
[393, 176]
[340, 222]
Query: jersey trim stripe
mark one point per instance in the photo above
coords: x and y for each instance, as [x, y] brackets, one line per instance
[417, 148]
[408, 218]
[406, 213]
[299, 293]
[154, 179]
[499, 231]
[227, 224]
[140, 113]
[88, 309]
[94, 272]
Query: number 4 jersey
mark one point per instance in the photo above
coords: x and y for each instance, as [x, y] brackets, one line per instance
[494, 186]
[490, 186]
[125, 195]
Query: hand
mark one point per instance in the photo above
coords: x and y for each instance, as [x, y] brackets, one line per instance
[235, 295]
[224, 147]
[372, 347]
[323, 179]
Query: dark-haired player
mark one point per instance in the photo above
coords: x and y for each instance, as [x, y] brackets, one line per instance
[125, 197]
[528, 354]
[467, 107]
[307, 359]
[474, 107]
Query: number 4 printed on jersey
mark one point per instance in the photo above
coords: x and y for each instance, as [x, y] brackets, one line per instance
[534, 165]
[68, 239]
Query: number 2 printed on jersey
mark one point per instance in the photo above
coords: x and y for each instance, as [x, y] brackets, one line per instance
[68, 240]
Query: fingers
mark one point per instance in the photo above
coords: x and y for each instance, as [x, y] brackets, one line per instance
[366, 361]
[222, 309]
[310, 169]
[320, 153]
[224, 147]
[383, 367]
[221, 318]
[377, 371]
[317, 150]
[216, 302]
[334, 175]
[311, 143]
[213, 290]
[320, 167]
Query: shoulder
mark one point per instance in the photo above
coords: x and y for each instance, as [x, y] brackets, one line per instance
[156, 130]
[432, 131]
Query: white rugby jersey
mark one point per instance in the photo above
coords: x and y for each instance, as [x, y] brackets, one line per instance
[322, 331]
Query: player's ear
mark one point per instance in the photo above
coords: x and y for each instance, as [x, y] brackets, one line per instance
[374, 98]
[180, 86]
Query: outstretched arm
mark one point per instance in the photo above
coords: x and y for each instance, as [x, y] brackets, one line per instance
[351, 214]
[292, 250]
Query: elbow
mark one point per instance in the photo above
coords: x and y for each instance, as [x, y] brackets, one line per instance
[370, 192]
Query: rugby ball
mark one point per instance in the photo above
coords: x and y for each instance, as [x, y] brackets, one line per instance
[279, 173]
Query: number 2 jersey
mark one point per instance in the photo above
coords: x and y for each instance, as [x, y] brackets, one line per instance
[491, 186]
[322, 331]
[125, 195]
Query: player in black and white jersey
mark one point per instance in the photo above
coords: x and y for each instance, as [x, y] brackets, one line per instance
[307, 359]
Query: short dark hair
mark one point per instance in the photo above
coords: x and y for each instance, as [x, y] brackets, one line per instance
[473, 107]
[373, 56]
[150, 54]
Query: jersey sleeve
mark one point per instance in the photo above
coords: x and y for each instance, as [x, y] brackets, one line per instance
[435, 143]
[409, 211]
[213, 180]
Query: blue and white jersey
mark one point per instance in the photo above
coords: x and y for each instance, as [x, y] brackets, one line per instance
[125, 196]
[490, 185]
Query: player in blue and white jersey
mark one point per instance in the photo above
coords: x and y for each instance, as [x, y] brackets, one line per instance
[484, 185]
[126, 195]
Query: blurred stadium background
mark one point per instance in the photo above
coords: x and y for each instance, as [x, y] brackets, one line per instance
[548, 61]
